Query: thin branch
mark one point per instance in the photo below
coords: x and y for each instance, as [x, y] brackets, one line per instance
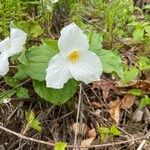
[70, 146]
[143, 142]
[26, 138]
[78, 113]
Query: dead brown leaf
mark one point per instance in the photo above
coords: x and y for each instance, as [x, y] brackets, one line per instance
[97, 105]
[91, 133]
[141, 84]
[127, 101]
[86, 142]
[114, 110]
[105, 86]
[79, 128]
[138, 115]
[147, 115]
[115, 106]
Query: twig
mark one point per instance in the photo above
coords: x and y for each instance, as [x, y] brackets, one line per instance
[19, 106]
[62, 117]
[26, 138]
[78, 113]
[144, 141]
[69, 146]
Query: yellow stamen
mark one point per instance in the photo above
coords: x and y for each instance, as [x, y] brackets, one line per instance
[74, 56]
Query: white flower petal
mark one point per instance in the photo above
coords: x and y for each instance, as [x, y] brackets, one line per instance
[5, 45]
[72, 38]
[18, 39]
[57, 73]
[54, 1]
[67, 28]
[4, 64]
[87, 69]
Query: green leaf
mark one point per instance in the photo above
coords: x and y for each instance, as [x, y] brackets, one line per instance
[22, 93]
[22, 58]
[36, 125]
[138, 34]
[95, 41]
[36, 31]
[146, 7]
[34, 2]
[134, 23]
[21, 74]
[104, 132]
[30, 116]
[37, 61]
[144, 63]
[57, 97]
[52, 44]
[111, 62]
[138, 9]
[60, 146]
[130, 75]
[145, 101]
[32, 121]
[114, 131]
[5, 97]
[7, 94]
[11, 81]
[136, 92]
[147, 29]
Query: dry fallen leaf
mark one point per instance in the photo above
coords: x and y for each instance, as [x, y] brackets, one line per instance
[91, 133]
[114, 110]
[97, 105]
[105, 86]
[115, 106]
[127, 101]
[97, 112]
[86, 142]
[141, 84]
[79, 128]
[138, 115]
[147, 115]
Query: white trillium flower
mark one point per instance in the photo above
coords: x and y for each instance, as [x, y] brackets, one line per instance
[9, 47]
[54, 1]
[75, 60]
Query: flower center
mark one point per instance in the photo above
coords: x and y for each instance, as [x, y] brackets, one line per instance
[9, 46]
[74, 56]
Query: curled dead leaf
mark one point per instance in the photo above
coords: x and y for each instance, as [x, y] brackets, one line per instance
[127, 101]
[91, 133]
[79, 128]
[86, 142]
[115, 106]
[147, 115]
[105, 86]
[96, 105]
[114, 110]
[138, 115]
[97, 112]
[143, 84]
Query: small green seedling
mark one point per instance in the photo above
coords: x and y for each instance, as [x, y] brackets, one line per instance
[60, 146]
[108, 132]
[32, 122]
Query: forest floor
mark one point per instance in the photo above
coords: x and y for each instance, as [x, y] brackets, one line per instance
[104, 115]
